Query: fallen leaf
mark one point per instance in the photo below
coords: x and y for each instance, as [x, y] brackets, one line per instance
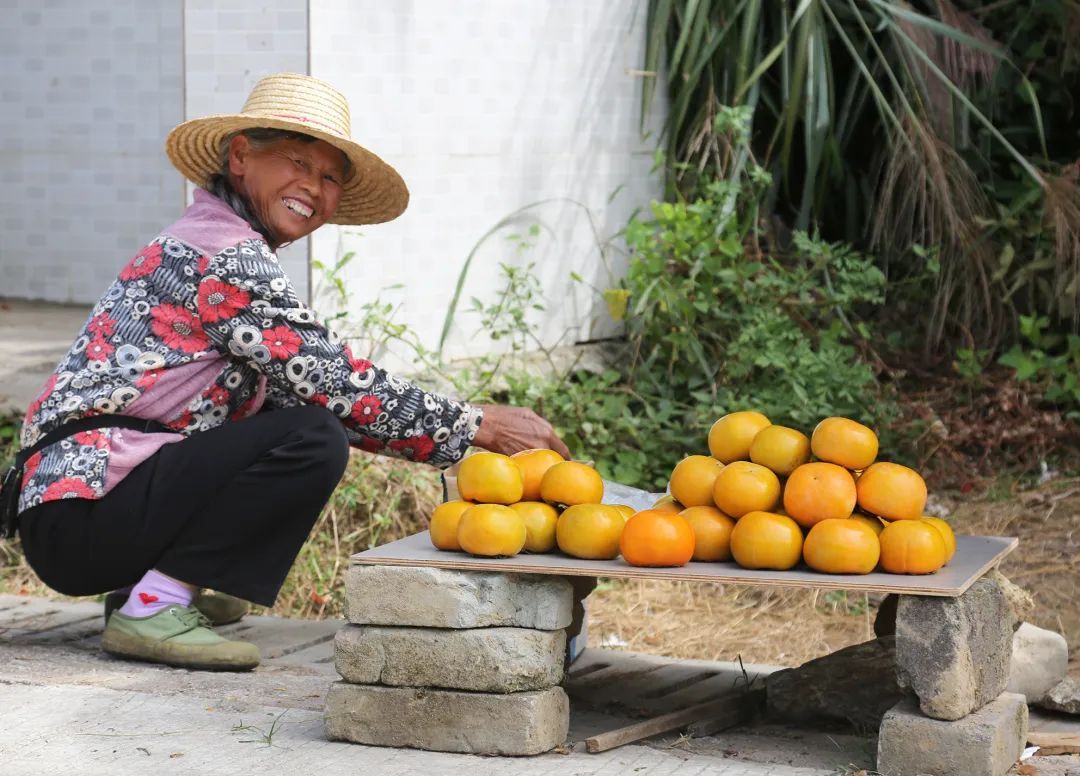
[1027, 769]
[174, 755]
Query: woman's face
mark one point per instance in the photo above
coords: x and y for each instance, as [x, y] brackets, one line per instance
[293, 186]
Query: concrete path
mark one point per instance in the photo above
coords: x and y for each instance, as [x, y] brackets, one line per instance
[67, 707]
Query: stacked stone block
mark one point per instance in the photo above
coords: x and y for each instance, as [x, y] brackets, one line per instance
[953, 655]
[454, 661]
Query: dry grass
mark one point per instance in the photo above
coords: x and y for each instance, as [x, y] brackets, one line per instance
[717, 622]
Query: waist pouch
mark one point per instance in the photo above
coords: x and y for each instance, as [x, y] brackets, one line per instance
[12, 482]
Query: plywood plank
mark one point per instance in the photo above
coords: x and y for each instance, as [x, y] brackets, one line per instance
[975, 555]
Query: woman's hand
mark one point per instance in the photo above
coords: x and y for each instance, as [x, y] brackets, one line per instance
[509, 430]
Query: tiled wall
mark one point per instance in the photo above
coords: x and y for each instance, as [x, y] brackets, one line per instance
[88, 89]
[228, 46]
[486, 106]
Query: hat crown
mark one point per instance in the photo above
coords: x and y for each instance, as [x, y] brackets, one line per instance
[302, 98]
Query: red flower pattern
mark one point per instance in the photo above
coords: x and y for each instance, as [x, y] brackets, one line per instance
[31, 466]
[147, 379]
[35, 405]
[366, 410]
[68, 487]
[417, 448]
[92, 437]
[101, 325]
[179, 328]
[218, 395]
[359, 365]
[282, 342]
[99, 350]
[370, 445]
[219, 301]
[145, 262]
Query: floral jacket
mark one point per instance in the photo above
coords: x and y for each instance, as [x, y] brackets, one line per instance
[202, 328]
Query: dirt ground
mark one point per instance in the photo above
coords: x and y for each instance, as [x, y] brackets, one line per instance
[791, 626]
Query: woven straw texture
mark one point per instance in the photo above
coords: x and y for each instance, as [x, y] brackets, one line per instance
[375, 193]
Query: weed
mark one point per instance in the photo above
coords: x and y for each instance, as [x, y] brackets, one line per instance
[264, 737]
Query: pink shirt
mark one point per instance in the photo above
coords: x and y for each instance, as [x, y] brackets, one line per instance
[209, 225]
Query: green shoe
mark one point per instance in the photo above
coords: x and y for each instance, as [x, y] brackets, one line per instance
[177, 636]
[219, 608]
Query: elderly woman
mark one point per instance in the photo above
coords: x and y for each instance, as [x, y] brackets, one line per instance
[203, 416]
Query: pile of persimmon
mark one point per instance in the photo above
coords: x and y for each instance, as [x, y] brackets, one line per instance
[769, 497]
[533, 501]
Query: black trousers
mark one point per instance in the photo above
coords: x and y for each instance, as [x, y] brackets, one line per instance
[227, 509]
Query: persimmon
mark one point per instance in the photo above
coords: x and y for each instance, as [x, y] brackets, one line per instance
[873, 523]
[731, 435]
[743, 487]
[780, 448]
[891, 491]
[819, 491]
[766, 540]
[841, 546]
[590, 531]
[653, 538]
[540, 520]
[946, 534]
[491, 530]
[571, 483]
[444, 524]
[490, 478]
[668, 504]
[534, 464]
[845, 442]
[693, 478]
[911, 547]
[626, 511]
[712, 533]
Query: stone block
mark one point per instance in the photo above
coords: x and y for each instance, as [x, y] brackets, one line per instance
[1021, 604]
[438, 598]
[1063, 696]
[477, 659]
[856, 685]
[521, 723]
[1040, 658]
[954, 652]
[985, 743]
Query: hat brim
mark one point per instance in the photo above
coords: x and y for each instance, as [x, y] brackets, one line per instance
[374, 194]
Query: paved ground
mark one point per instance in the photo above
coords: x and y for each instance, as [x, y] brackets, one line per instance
[63, 702]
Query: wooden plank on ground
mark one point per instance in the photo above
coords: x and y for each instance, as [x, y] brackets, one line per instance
[726, 711]
[975, 555]
[1055, 743]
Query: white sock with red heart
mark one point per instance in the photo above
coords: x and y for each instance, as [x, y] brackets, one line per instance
[155, 592]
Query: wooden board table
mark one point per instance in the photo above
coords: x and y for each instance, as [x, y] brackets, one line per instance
[975, 555]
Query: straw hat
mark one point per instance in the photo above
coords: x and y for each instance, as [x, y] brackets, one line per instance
[299, 103]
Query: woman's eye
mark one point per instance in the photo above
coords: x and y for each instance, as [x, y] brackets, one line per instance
[299, 163]
[331, 178]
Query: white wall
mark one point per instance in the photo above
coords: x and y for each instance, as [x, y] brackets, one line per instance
[89, 88]
[485, 106]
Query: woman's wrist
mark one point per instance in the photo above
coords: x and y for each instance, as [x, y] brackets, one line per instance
[484, 436]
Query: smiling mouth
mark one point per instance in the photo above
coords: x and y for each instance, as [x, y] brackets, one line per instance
[297, 207]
